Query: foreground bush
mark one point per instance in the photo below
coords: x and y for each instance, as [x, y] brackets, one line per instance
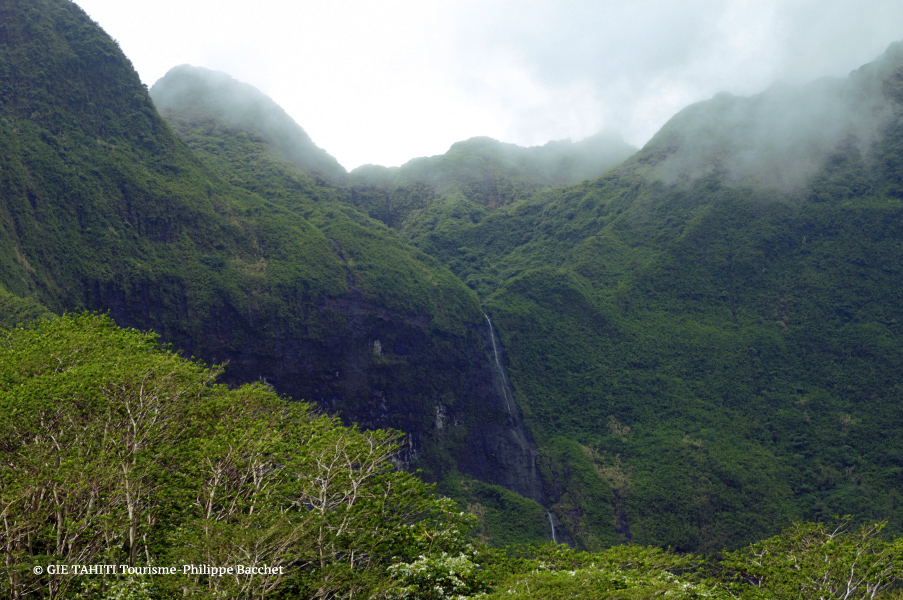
[622, 572]
[817, 560]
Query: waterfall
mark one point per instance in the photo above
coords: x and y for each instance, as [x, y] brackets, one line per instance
[552, 525]
[498, 365]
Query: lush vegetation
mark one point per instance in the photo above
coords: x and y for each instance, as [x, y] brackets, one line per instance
[117, 451]
[721, 357]
[704, 343]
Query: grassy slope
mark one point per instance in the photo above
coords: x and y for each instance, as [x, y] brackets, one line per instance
[241, 148]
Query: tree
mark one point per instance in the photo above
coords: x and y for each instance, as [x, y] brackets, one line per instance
[818, 560]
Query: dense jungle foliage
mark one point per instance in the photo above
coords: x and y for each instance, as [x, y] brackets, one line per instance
[703, 345]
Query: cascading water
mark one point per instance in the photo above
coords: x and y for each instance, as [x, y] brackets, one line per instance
[498, 365]
[511, 442]
[552, 525]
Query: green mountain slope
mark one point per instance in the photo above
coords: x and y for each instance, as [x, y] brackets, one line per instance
[466, 430]
[102, 207]
[706, 342]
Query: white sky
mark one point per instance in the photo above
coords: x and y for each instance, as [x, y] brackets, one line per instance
[384, 81]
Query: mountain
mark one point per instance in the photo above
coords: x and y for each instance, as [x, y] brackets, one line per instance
[104, 208]
[706, 341]
[486, 172]
[201, 97]
[689, 345]
[694, 347]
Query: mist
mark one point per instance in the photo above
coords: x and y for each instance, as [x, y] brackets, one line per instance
[386, 83]
[778, 138]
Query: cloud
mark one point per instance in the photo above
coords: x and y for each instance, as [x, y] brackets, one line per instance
[384, 81]
[634, 64]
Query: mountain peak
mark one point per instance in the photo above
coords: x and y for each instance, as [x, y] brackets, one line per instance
[196, 94]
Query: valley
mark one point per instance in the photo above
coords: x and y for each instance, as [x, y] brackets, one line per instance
[691, 345]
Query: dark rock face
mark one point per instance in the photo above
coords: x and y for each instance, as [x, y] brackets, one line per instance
[381, 369]
[505, 454]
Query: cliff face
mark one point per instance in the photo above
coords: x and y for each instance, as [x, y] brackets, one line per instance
[377, 368]
[501, 449]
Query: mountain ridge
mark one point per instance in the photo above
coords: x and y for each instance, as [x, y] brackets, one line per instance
[765, 136]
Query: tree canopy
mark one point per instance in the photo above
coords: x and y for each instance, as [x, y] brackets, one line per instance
[114, 450]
